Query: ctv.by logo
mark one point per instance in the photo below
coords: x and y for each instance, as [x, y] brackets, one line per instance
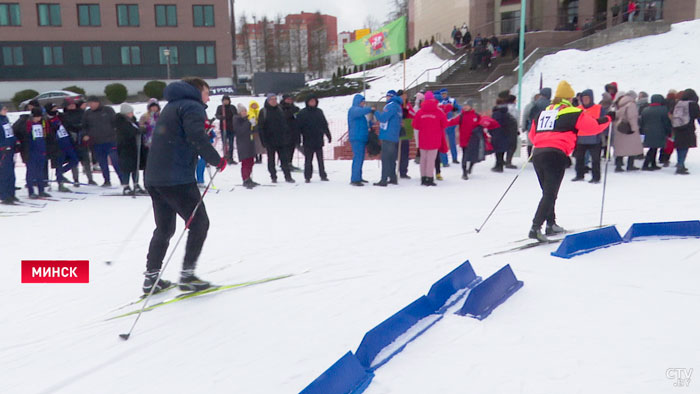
[681, 376]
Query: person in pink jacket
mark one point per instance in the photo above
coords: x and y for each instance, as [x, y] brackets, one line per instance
[431, 122]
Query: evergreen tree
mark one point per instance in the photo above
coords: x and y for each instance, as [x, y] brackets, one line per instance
[420, 43]
[432, 40]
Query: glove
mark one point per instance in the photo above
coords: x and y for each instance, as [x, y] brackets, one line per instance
[222, 165]
[611, 114]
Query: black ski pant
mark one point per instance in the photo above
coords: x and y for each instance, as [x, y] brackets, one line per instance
[550, 167]
[285, 155]
[500, 161]
[168, 203]
[405, 149]
[309, 160]
[650, 160]
[580, 156]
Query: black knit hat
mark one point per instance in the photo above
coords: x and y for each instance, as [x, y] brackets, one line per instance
[37, 111]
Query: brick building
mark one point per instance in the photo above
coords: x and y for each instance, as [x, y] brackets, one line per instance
[55, 43]
[490, 17]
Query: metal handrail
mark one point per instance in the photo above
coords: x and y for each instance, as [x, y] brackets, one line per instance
[410, 85]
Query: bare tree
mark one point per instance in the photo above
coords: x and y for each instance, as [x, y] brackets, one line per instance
[318, 45]
[245, 42]
[399, 8]
[372, 23]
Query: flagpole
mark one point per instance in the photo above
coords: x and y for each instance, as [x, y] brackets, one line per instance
[520, 53]
[404, 70]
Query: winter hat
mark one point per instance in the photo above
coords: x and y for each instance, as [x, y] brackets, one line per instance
[35, 103]
[51, 109]
[564, 91]
[93, 99]
[226, 97]
[153, 102]
[3, 105]
[429, 95]
[504, 94]
[400, 92]
[632, 94]
[607, 100]
[270, 95]
[589, 94]
[468, 102]
[241, 108]
[690, 95]
[286, 96]
[68, 101]
[391, 93]
[658, 99]
[546, 92]
[643, 95]
[126, 109]
[37, 111]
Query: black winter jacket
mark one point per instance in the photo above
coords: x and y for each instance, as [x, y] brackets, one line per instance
[274, 128]
[313, 126]
[229, 111]
[179, 137]
[99, 125]
[127, 132]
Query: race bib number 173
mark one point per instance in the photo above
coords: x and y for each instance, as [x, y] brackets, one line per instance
[546, 120]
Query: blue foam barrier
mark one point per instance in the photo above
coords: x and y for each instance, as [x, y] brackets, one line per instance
[690, 228]
[588, 241]
[462, 277]
[490, 293]
[390, 329]
[346, 376]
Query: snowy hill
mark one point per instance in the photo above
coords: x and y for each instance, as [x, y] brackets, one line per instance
[653, 64]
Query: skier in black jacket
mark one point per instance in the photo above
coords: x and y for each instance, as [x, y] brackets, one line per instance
[313, 127]
[178, 139]
[225, 113]
[290, 113]
[71, 118]
[278, 137]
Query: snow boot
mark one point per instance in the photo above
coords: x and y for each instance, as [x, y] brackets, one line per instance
[150, 281]
[8, 201]
[536, 233]
[189, 282]
[63, 189]
[439, 177]
[577, 178]
[381, 183]
[44, 194]
[357, 183]
[289, 179]
[107, 184]
[554, 229]
[465, 175]
[138, 190]
[127, 191]
[430, 181]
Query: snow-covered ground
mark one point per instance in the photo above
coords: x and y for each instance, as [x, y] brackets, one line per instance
[654, 64]
[611, 321]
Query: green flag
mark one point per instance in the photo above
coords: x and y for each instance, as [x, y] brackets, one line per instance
[389, 40]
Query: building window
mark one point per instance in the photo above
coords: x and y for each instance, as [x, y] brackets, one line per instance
[127, 14]
[92, 56]
[205, 55]
[9, 14]
[53, 56]
[203, 15]
[89, 15]
[166, 15]
[131, 55]
[12, 56]
[49, 14]
[173, 55]
[510, 22]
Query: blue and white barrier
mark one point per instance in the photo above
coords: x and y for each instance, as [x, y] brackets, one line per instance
[490, 293]
[588, 241]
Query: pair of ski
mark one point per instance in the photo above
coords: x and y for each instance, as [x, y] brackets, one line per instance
[191, 294]
[553, 239]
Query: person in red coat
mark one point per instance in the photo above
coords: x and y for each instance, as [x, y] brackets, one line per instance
[431, 123]
[554, 135]
[467, 120]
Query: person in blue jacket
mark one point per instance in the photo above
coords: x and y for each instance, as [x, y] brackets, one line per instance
[358, 133]
[35, 146]
[7, 162]
[389, 130]
[64, 156]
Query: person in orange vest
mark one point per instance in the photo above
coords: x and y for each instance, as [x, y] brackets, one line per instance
[592, 144]
[553, 136]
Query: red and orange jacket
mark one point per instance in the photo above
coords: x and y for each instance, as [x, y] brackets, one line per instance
[559, 125]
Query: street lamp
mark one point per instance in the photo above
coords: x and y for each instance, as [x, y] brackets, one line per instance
[166, 53]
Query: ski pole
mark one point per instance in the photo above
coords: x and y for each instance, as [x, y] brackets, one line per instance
[172, 252]
[138, 162]
[504, 194]
[605, 177]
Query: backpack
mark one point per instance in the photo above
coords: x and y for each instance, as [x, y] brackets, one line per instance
[681, 114]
